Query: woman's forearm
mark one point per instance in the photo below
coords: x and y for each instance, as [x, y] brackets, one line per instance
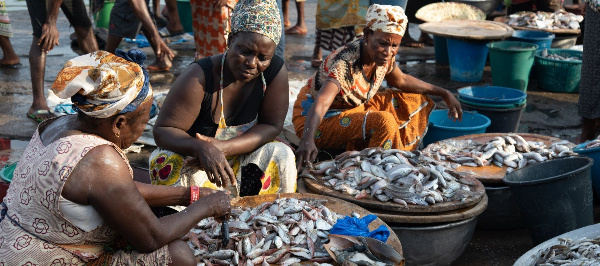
[161, 196]
[414, 85]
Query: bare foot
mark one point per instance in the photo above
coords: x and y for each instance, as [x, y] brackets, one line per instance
[10, 61]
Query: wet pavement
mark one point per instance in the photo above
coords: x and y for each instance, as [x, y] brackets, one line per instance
[547, 113]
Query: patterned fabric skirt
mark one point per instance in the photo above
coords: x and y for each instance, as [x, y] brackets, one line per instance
[5, 29]
[18, 247]
[589, 87]
[331, 39]
[268, 170]
[211, 26]
[391, 119]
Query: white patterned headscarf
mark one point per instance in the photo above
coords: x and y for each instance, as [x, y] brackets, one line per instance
[101, 84]
[258, 16]
[386, 18]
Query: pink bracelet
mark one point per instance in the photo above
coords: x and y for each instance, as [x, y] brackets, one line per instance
[194, 194]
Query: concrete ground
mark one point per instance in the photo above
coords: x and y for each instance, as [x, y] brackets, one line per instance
[547, 113]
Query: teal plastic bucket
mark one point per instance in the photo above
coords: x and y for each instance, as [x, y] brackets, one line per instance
[467, 59]
[441, 50]
[400, 3]
[184, 9]
[593, 153]
[554, 197]
[543, 39]
[441, 127]
[511, 63]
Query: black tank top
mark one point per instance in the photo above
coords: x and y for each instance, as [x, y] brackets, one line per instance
[204, 123]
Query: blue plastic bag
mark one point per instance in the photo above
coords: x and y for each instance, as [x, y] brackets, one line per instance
[352, 226]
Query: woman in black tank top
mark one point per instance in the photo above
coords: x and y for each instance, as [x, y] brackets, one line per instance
[223, 114]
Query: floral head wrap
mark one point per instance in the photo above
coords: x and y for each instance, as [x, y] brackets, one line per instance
[386, 18]
[258, 16]
[102, 84]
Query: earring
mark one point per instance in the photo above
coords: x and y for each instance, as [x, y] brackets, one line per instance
[118, 134]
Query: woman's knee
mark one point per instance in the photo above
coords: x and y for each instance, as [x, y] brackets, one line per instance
[181, 253]
[382, 120]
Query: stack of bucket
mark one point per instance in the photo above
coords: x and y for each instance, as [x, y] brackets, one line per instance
[503, 106]
[511, 63]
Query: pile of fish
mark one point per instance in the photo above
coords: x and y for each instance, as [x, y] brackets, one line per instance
[511, 150]
[362, 251]
[593, 143]
[285, 231]
[545, 54]
[583, 251]
[402, 177]
[545, 20]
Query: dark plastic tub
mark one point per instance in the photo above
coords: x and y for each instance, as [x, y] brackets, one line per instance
[554, 197]
[502, 212]
[593, 153]
[504, 120]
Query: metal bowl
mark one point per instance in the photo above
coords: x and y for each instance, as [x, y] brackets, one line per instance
[488, 6]
[438, 244]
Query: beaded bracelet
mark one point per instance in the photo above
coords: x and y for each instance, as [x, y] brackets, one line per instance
[194, 194]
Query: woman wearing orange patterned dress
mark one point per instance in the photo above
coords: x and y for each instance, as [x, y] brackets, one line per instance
[341, 106]
[211, 23]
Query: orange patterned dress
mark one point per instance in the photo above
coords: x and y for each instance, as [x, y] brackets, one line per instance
[33, 228]
[211, 26]
[362, 115]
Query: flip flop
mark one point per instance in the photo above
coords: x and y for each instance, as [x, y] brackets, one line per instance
[316, 63]
[413, 44]
[155, 69]
[36, 113]
[296, 30]
[164, 32]
[17, 65]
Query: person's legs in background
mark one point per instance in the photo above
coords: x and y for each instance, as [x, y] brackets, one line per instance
[9, 57]
[300, 27]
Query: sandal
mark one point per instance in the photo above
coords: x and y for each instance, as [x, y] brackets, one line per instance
[316, 63]
[36, 115]
[412, 43]
[155, 69]
[296, 30]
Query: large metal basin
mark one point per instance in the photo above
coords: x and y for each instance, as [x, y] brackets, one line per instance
[502, 212]
[488, 6]
[438, 244]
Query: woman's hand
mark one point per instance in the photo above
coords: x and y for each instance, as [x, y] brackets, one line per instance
[218, 203]
[454, 110]
[306, 153]
[214, 163]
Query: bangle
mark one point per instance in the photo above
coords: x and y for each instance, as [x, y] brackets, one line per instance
[194, 194]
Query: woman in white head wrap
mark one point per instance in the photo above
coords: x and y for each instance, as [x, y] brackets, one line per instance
[343, 107]
[73, 199]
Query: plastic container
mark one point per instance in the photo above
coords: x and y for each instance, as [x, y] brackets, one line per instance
[400, 3]
[441, 127]
[441, 50]
[554, 197]
[466, 59]
[184, 9]
[102, 19]
[593, 153]
[492, 95]
[564, 41]
[558, 75]
[511, 63]
[542, 38]
[503, 120]
[502, 212]
[439, 244]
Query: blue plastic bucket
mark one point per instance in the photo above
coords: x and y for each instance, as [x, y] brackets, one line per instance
[541, 38]
[593, 153]
[441, 127]
[467, 59]
[400, 3]
[492, 95]
[441, 50]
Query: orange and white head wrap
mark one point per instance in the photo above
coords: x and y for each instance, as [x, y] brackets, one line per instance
[386, 18]
[101, 84]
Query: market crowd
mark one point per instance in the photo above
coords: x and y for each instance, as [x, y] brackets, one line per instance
[73, 199]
